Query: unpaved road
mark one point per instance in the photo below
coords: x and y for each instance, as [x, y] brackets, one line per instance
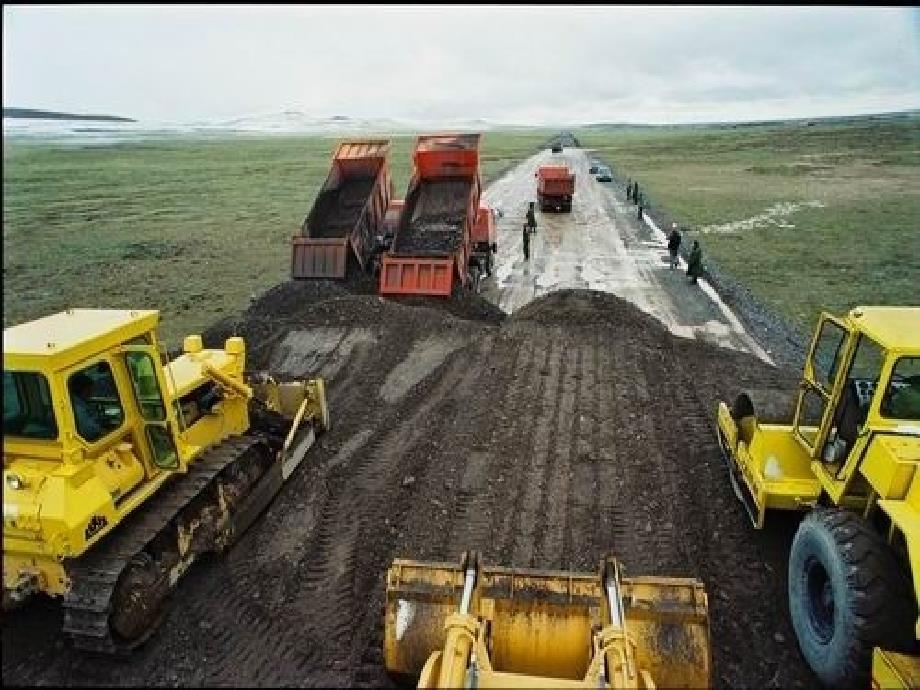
[578, 427]
[600, 245]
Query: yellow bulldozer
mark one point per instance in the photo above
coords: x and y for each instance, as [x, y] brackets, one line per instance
[846, 451]
[120, 468]
[472, 625]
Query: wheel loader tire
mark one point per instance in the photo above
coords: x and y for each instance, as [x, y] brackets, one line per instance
[847, 594]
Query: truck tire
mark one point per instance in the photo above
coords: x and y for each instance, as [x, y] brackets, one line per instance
[847, 594]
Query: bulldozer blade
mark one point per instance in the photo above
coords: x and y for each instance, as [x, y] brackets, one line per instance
[541, 621]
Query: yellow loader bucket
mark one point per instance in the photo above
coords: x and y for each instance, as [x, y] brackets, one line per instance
[541, 623]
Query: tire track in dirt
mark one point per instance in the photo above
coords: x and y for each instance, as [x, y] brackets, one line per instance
[647, 503]
[554, 507]
[615, 534]
[528, 514]
[462, 379]
[584, 491]
[484, 481]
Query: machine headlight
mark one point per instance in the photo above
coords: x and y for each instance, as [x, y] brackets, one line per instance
[15, 482]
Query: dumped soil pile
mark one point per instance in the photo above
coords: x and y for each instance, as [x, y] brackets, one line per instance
[437, 218]
[289, 304]
[337, 210]
[577, 428]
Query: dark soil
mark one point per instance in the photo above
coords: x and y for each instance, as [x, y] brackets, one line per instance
[436, 217]
[576, 428]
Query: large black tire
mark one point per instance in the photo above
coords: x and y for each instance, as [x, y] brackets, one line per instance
[847, 594]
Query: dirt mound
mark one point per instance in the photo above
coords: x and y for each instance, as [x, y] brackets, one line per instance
[296, 303]
[539, 442]
[588, 309]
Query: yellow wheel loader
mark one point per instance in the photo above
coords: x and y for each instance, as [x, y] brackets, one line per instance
[120, 470]
[847, 453]
[470, 625]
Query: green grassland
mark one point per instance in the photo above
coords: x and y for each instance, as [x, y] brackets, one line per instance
[191, 227]
[855, 236]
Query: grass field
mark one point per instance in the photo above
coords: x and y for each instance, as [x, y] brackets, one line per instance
[808, 217]
[191, 227]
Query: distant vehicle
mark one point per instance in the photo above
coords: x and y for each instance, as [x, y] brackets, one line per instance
[604, 174]
[555, 187]
[557, 148]
[593, 168]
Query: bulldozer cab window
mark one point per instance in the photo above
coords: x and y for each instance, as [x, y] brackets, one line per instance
[825, 359]
[902, 399]
[97, 409]
[146, 388]
[27, 408]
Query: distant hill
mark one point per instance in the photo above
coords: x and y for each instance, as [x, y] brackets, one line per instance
[34, 114]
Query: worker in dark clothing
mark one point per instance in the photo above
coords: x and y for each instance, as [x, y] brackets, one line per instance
[531, 218]
[674, 245]
[695, 262]
[628, 190]
[639, 201]
[527, 232]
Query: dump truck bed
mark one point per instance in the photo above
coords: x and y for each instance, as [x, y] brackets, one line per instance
[337, 210]
[436, 220]
[431, 247]
[347, 214]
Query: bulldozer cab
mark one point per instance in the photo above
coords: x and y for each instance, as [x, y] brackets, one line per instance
[862, 375]
[78, 384]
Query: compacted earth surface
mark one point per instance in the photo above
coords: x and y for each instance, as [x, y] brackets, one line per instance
[576, 427]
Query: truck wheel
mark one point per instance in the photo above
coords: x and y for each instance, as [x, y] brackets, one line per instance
[847, 594]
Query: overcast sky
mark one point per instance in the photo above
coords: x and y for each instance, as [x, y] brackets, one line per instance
[523, 64]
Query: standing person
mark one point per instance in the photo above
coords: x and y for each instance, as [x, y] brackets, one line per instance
[674, 244]
[628, 189]
[531, 217]
[527, 232]
[695, 262]
[639, 201]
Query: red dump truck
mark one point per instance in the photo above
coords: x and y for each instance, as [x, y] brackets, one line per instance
[555, 187]
[431, 249]
[347, 216]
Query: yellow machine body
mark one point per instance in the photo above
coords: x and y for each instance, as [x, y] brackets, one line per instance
[453, 624]
[851, 373]
[62, 492]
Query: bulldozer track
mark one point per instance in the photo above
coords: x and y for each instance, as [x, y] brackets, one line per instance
[94, 577]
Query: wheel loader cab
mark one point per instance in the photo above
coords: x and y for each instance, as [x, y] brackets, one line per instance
[839, 384]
